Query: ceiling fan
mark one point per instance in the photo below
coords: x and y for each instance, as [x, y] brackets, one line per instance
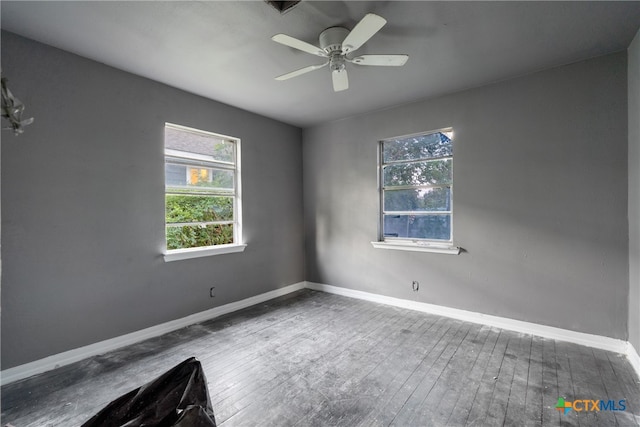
[336, 43]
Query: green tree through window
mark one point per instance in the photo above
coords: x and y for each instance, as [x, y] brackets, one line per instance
[417, 184]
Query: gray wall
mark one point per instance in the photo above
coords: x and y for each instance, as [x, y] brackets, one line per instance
[540, 203]
[634, 191]
[83, 201]
[540, 200]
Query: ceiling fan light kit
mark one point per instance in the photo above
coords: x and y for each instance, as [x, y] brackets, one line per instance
[335, 44]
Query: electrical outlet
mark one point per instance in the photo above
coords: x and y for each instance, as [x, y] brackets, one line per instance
[212, 292]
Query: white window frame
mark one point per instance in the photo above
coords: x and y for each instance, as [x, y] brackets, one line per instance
[202, 251]
[413, 244]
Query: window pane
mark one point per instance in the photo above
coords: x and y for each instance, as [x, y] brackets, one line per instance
[175, 174]
[202, 145]
[419, 199]
[189, 208]
[436, 227]
[198, 177]
[418, 147]
[195, 236]
[421, 173]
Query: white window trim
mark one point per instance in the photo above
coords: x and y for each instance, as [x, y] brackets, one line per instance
[418, 246]
[188, 253]
[204, 251]
[413, 245]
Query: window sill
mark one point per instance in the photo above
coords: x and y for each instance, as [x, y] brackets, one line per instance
[179, 254]
[418, 247]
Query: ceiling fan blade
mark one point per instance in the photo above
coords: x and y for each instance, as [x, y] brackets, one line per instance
[298, 44]
[301, 71]
[340, 80]
[383, 60]
[363, 31]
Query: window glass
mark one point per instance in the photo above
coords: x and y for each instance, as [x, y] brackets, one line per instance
[432, 227]
[427, 146]
[201, 189]
[423, 199]
[417, 187]
[431, 172]
[199, 144]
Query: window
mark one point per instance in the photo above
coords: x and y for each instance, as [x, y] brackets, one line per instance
[202, 193]
[416, 176]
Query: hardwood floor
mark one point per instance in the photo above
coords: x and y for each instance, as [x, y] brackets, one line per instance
[316, 359]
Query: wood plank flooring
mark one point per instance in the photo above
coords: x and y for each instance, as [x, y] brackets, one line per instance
[316, 359]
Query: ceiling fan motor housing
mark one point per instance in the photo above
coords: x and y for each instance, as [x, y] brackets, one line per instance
[331, 39]
[331, 42]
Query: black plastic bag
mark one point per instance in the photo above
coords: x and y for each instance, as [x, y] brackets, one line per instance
[177, 398]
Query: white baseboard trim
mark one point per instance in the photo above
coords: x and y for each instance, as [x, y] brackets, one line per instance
[595, 341]
[48, 363]
[61, 359]
[634, 358]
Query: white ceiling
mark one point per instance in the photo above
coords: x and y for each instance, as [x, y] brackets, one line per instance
[222, 49]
